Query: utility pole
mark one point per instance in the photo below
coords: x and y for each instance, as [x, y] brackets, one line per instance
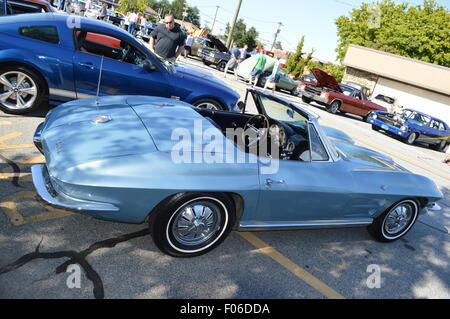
[277, 31]
[185, 11]
[214, 22]
[230, 36]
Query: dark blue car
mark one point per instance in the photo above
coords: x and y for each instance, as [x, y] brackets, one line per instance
[57, 58]
[413, 126]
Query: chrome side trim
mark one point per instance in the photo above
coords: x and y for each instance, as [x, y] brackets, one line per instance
[41, 181]
[63, 93]
[37, 137]
[312, 224]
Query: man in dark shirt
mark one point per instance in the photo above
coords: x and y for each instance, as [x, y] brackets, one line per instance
[167, 40]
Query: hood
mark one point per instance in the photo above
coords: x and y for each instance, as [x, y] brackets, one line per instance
[191, 70]
[325, 79]
[365, 159]
[70, 137]
[219, 44]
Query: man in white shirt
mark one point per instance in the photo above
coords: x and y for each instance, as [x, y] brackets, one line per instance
[133, 17]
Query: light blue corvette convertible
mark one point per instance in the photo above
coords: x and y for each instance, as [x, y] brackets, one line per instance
[195, 174]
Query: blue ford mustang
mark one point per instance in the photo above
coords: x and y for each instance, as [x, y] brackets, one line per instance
[149, 159]
[413, 126]
[59, 57]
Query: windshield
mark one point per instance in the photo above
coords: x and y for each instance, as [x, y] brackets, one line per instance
[281, 112]
[417, 117]
[347, 90]
[385, 99]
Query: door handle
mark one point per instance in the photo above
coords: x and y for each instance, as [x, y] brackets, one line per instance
[88, 65]
[270, 182]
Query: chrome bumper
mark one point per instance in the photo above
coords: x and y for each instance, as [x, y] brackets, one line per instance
[37, 137]
[45, 190]
[314, 97]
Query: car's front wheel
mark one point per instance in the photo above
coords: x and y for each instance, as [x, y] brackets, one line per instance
[21, 90]
[395, 222]
[306, 100]
[334, 107]
[208, 104]
[188, 225]
[221, 66]
[411, 139]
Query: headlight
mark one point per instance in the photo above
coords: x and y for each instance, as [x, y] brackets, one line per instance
[374, 116]
[404, 128]
[302, 87]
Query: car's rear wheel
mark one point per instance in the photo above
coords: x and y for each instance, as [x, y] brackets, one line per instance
[208, 104]
[395, 222]
[440, 147]
[294, 91]
[334, 107]
[191, 224]
[221, 66]
[411, 139]
[21, 90]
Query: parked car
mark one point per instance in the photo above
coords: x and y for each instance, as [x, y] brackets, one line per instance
[117, 160]
[28, 6]
[338, 97]
[144, 32]
[42, 58]
[284, 83]
[215, 54]
[385, 100]
[199, 42]
[116, 18]
[245, 67]
[413, 126]
[77, 8]
[93, 13]
[359, 87]
[307, 79]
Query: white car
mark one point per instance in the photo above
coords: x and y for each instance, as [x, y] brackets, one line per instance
[385, 100]
[92, 13]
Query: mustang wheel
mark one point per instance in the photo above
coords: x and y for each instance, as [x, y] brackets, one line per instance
[189, 225]
[395, 222]
[411, 138]
[208, 104]
[440, 147]
[334, 107]
[21, 90]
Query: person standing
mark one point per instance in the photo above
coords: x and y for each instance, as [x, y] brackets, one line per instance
[446, 159]
[167, 40]
[87, 6]
[61, 4]
[233, 62]
[132, 19]
[256, 51]
[188, 46]
[258, 68]
[275, 76]
[244, 53]
[103, 12]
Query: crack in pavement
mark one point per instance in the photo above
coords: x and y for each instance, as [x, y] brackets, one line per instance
[76, 258]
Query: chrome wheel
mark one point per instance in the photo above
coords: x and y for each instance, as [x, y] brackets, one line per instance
[196, 223]
[399, 219]
[412, 138]
[208, 104]
[18, 91]
[334, 107]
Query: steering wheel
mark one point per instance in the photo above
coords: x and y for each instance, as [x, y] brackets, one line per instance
[255, 130]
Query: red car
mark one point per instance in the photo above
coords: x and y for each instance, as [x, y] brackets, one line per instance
[28, 6]
[338, 97]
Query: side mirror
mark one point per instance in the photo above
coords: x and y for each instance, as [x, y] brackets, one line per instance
[148, 66]
[241, 106]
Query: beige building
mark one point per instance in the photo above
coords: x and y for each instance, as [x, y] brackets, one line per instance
[415, 84]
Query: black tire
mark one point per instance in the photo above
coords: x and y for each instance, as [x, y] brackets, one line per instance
[33, 80]
[262, 81]
[209, 104]
[221, 66]
[334, 107]
[375, 128]
[411, 138]
[306, 100]
[294, 91]
[186, 210]
[379, 228]
[207, 63]
[439, 147]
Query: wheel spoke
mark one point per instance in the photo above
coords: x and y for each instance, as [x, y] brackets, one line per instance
[4, 81]
[5, 96]
[20, 78]
[20, 102]
[30, 90]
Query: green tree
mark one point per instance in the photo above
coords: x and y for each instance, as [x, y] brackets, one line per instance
[420, 32]
[241, 35]
[296, 63]
[132, 5]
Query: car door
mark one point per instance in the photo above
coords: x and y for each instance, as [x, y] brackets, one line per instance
[305, 191]
[119, 76]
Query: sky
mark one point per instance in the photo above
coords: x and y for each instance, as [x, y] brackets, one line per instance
[312, 18]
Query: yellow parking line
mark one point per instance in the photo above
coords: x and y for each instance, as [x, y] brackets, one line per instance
[291, 266]
[5, 123]
[10, 136]
[404, 158]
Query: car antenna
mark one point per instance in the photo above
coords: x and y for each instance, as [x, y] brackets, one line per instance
[99, 81]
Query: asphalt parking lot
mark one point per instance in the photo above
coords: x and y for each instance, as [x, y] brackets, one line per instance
[39, 245]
